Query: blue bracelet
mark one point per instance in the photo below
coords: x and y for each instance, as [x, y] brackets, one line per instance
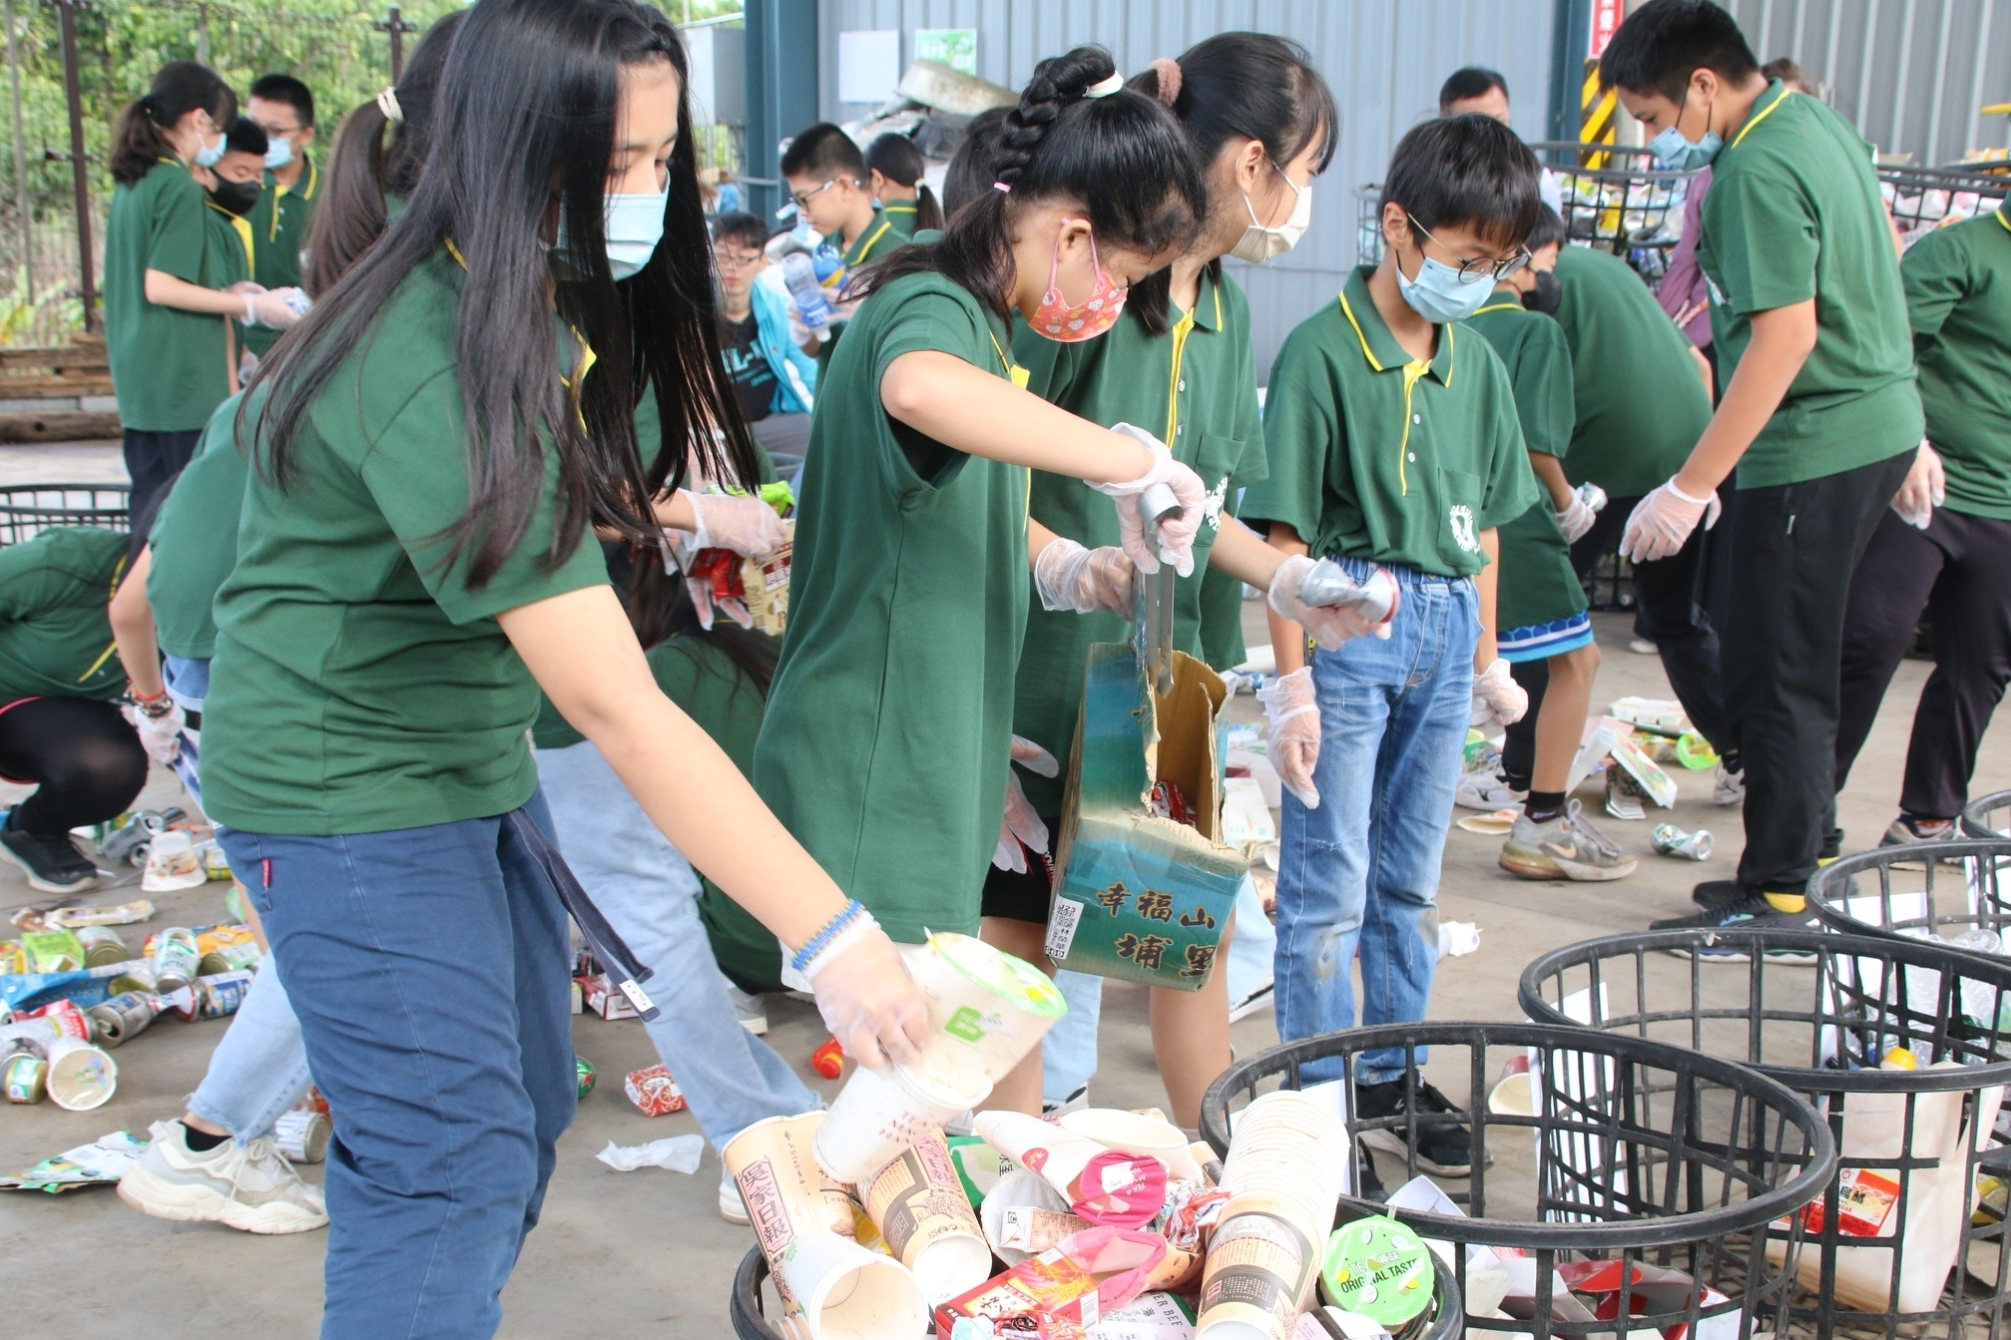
[825, 936]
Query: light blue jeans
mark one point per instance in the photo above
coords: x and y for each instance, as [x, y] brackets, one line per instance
[1362, 870]
[259, 1068]
[649, 893]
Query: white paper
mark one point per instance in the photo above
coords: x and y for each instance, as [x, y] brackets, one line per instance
[679, 1153]
[869, 64]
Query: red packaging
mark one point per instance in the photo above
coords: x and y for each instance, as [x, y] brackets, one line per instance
[66, 1015]
[1864, 1202]
[654, 1091]
[828, 1060]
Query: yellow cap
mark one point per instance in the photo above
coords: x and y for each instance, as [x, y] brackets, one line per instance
[1899, 1058]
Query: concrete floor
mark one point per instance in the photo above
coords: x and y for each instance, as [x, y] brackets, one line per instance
[632, 1253]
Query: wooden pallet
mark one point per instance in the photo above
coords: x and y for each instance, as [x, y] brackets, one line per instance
[65, 377]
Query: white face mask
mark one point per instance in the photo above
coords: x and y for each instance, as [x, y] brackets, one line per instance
[634, 227]
[1261, 242]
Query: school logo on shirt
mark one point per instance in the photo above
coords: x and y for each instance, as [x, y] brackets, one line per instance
[1211, 506]
[1463, 533]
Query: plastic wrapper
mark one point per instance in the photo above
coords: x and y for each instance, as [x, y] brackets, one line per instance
[653, 1091]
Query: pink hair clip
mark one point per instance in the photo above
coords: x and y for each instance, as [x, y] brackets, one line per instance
[1001, 186]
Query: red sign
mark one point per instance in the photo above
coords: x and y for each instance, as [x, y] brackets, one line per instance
[1606, 16]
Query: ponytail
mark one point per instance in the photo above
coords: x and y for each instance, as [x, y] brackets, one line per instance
[1117, 155]
[140, 140]
[896, 157]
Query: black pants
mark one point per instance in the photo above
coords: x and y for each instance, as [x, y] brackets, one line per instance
[1796, 546]
[152, 459]
[86, 757]
[1959, 570]
[1666, 613]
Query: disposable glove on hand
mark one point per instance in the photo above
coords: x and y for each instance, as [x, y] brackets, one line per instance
[1174, 540]
[272, 308]
[740, 522]
[868, 1000]
[1497, 698]
[1083, 581]
[160, 735]
[1662, 522]
[1294, 743]
[1330, 625]
[1925, 489]
[1022, 831]
[1576, 519]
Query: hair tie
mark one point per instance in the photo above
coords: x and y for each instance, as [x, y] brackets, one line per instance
[1103, 88]
[387, 103]
[1001, 186]
[1168, 71]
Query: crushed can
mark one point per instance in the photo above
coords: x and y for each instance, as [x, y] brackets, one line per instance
[102, 946]
[25, 1077]
[122, 1016]
[584, 1069]
[215, 996]
[301, 1135]
[176, 959]
[1670, 840]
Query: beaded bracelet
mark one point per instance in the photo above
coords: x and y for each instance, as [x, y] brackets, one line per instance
[821, 939]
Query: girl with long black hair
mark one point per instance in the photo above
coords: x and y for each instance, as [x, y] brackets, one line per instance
[894, 167]
[442, 432]
[886, 740]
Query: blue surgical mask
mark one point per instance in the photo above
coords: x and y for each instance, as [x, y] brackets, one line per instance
[634, 227]
[1677, 154]
[1439, 295]
[209, 155]
[278, 152]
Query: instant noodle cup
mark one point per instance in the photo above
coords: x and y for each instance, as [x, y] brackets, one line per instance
[918, 1204]
[1257, 1278]
[880, 1113]
[81, 1077]
[1379, 1268]
[1136, 1133]
[987, 1009]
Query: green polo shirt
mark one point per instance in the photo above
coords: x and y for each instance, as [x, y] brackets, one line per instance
[1195, 386]
[360, 684]
[168, 366]
[1958, 299]
[1376, 456]
[901, 214]
[194, 539]
[1536, 584]
[889, 726]
[279, 222]
[55, 615]
[1794, 213]
[1639, 400]
[875, 244]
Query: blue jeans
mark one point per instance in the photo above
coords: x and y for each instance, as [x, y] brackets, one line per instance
[428, 968]
[186, 681]
[649, 894]
[259, 1067]
[1362, 869]
[1068, 1050]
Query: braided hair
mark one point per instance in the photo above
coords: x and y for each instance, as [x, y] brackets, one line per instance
[1120, 158]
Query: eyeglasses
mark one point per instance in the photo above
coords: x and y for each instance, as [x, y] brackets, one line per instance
[736, 260]
[1480, 267]
[802, 198]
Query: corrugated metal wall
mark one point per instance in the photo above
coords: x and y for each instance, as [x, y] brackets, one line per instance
[1385, 59]
[1910, 73]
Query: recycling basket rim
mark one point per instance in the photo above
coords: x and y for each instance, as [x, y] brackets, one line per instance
[1831, 913]
[1972, 817]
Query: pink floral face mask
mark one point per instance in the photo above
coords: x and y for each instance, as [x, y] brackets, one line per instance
[1057, 319]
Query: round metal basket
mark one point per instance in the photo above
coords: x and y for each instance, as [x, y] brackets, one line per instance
[26, 510]
[1957, 891]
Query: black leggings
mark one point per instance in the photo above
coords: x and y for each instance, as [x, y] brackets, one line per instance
[85, 756]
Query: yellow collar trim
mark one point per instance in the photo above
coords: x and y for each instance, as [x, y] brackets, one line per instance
[2004, 217]
[1348, 311]
[1016, 374]
[1752, 121]
[1502, 307]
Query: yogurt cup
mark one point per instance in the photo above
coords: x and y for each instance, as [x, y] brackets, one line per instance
[880, 1113]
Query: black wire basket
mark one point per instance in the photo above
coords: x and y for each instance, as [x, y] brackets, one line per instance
[1906, 1236]
[1958, 892]
[1988, 816]
[1922, 199]
[26, 510]
[1628, 1157]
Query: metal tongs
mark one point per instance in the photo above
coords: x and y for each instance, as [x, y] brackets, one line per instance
[1154, 594]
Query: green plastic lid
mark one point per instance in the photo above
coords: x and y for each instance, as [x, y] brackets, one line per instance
[1018, 981]
[1379, 1268]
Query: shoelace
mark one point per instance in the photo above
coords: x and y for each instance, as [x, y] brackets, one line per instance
[1429, 1099]
[261, 1153]
[1576, 821]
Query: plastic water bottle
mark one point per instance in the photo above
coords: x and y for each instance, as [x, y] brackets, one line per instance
[1592, 496]
[801, 277]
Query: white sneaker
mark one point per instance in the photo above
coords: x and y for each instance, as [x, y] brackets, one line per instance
[753, 1015]
[1728, 788]
[732, 1208]
[245, 1185]
[1482, 788]
[1260, 999]
[1075, 1102]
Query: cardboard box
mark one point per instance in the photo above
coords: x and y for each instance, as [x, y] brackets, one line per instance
[605, 998]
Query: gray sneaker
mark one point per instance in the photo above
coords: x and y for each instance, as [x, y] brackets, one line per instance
[246, 1185]
[1567, 847]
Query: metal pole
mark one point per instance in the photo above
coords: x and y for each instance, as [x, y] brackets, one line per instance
[73, 93]
[26, 203]
[394, 24]
[202, 34]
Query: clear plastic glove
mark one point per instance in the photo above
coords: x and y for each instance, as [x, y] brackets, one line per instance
[1174, 542]
[1293, 712]
[740, 522]
[273, 308]
[1662, 522]
[1576, 519]
[1022, 831]
[160, 736]
[1328, 625]
[868, 1000]
[1083, 581]
[1497, 698]
[1925, 489]
[709, 609]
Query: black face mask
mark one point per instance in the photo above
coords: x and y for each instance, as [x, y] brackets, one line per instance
[1544, 297]
[236, 196]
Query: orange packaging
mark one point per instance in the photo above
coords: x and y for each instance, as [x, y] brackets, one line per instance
[654, 1091]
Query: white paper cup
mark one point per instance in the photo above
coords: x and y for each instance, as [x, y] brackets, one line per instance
[1515, 1094]
[849, 1292]
[919, 1207]
[879, 1114]
[81, 1077]
[987, 1009]
[1136, 1134]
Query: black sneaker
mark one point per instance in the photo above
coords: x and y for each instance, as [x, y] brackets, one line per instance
[1368, 1184]
[1443, 1144]
[51, 861]
[1716, 893]
[1749, 910]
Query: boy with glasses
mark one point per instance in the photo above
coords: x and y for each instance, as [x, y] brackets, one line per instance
[827, 178]
[776, 379]
[1394, 446]
[283, 108]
